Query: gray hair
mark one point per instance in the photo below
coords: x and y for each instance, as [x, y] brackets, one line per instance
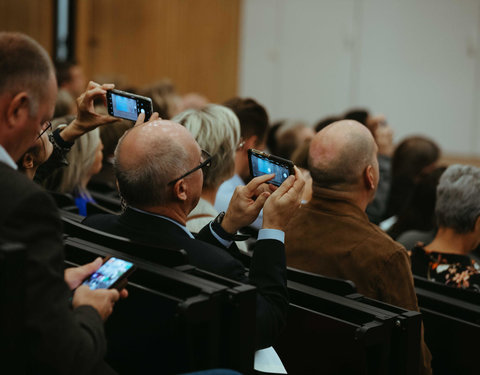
[458, 198]
[217, 130]
[24, 66]
[145, 183]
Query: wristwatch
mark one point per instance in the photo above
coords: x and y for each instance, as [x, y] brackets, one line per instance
[217, 228]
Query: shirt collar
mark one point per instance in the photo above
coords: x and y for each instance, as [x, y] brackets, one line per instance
[6, 158]
[163, 217]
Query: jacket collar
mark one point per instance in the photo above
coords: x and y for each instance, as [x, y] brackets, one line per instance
[334, 201]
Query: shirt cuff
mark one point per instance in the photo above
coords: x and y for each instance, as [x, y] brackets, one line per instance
[224, 242]
[271, 234]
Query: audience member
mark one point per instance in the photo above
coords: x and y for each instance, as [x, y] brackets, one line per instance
[159, 171]
[446, 259]
[65, 104]
[253, 129]
[383, 135]
[419, 212]
[286, 136]
[59, 339]
[331, 234]
[217, 130]
[69, 128]
[413, 157]
[84, 161]
[271, 138]
[35, 155]
[105, 180]
[300, 159]
[70, 77]
[164, 97]
[192, 100]
[290, 136]
[323, 123]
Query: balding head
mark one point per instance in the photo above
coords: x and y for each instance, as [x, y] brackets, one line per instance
[148, 157]
[339, 155]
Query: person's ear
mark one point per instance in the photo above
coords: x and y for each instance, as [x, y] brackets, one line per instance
[27, 161]
[180, 190]
[18, 109]
[369, 177]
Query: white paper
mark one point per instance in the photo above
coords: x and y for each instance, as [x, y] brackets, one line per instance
[267, 360]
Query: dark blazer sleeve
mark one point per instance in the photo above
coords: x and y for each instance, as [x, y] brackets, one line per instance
[60, 340]
[268, 274]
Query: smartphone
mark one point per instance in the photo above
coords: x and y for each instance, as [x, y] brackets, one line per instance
[128, 106]
[262, 163]
[112, 274]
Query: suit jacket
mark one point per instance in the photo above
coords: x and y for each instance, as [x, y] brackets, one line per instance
[332, 236]
[267, 269]
[58, 339]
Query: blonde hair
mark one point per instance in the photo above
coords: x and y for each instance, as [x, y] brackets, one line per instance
[80, 160]
[217, 130]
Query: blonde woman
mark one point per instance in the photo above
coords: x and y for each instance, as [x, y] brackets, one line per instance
[84, 161]
[217, 130]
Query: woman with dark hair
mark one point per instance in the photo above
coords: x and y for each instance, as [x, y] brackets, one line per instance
[412, 158]
[419, 213]
[446, 259]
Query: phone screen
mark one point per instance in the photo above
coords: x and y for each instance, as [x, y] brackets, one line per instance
[108, 274]
[261, 166]
[124, 107]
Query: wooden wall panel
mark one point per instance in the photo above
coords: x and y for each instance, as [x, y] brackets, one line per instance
[32, 17]
[195, 43]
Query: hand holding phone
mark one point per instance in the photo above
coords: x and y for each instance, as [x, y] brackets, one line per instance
[262, 163]
[127, 105]
[112, 274]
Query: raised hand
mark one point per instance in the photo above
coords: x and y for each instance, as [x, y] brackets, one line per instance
[87, 119]
[282, 204]
[246, 203]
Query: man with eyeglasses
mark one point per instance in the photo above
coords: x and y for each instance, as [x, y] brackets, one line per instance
[159, 167]
[62, 330]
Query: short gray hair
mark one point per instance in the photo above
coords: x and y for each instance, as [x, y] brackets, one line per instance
[146, 182]
[24, 66]
[217, 130]
[458, 198]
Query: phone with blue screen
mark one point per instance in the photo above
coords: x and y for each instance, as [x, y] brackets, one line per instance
[127, 105]
[112, 274]
[263, 163]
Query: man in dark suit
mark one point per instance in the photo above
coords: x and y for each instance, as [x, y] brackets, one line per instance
[159, 171]
[58, 339]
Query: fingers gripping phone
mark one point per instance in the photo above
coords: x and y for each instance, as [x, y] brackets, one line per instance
[262, 163]
[127, 105]
[112, 274]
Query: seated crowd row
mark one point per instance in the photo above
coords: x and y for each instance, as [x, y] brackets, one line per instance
[185, 183]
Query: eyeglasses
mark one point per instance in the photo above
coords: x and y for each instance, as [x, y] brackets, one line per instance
[207, 161]
[45, 126]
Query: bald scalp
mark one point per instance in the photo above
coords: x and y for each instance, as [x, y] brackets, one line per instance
[340, 153]
[147, 158]
[24, 66]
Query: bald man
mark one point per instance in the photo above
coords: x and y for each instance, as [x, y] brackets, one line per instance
[331, 235]
[159, 171]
